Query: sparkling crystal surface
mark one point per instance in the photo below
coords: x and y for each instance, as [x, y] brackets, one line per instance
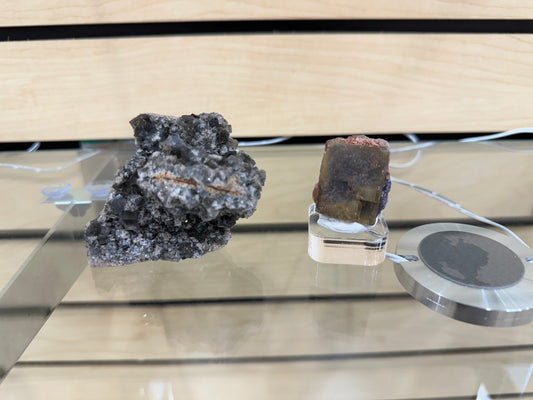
[178, 196]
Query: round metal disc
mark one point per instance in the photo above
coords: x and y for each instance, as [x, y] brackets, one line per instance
[468, 273]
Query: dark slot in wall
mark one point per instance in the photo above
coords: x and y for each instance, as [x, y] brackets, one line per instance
[23, 146]
[264, 26]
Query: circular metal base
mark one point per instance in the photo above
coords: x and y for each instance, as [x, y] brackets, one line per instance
[468, 273]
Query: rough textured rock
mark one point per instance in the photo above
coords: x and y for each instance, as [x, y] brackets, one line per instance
[354, 179]
[178, 196]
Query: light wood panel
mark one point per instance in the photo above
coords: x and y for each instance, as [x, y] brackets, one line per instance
[268, 85]
[388, 378]
[13, 253]
[39, 12]
[258, 329]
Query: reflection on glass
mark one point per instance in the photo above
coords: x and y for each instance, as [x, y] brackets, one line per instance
[182, 289]
[342, 315]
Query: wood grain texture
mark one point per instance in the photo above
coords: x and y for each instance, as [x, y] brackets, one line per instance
[268, 85]
[226, 330]
[389, 378]
[39, 12]
[13, 253]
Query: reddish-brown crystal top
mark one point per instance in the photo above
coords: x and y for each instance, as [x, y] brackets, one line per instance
[359, 140]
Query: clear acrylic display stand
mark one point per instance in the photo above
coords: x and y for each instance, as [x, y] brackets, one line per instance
[364, 246]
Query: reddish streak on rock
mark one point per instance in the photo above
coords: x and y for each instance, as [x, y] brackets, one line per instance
[232, 188]
[168, 177]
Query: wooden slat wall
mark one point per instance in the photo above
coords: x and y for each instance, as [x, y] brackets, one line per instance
[13, 253]
[252, 330]
[41, 12]
[268, 85]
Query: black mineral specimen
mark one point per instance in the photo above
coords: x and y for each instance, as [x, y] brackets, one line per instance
[178, 196]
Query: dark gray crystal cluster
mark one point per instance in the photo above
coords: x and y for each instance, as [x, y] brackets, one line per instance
[178, 196]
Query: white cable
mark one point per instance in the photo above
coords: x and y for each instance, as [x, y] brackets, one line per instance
[52, 169]
[395, 258]
[264, 142]
[458, 207]
[497, 135]
[500, 135]
[413, 138]
[34, 147]
[506, 148]
[417, 146]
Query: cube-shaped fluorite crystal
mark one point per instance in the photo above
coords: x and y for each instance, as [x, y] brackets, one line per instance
[354, 179]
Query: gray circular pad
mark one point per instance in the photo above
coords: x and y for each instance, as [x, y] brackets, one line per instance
[471, 260]
[468, 273]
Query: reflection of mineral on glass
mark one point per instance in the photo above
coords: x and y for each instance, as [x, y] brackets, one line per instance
[178, 196]
[354, 179]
